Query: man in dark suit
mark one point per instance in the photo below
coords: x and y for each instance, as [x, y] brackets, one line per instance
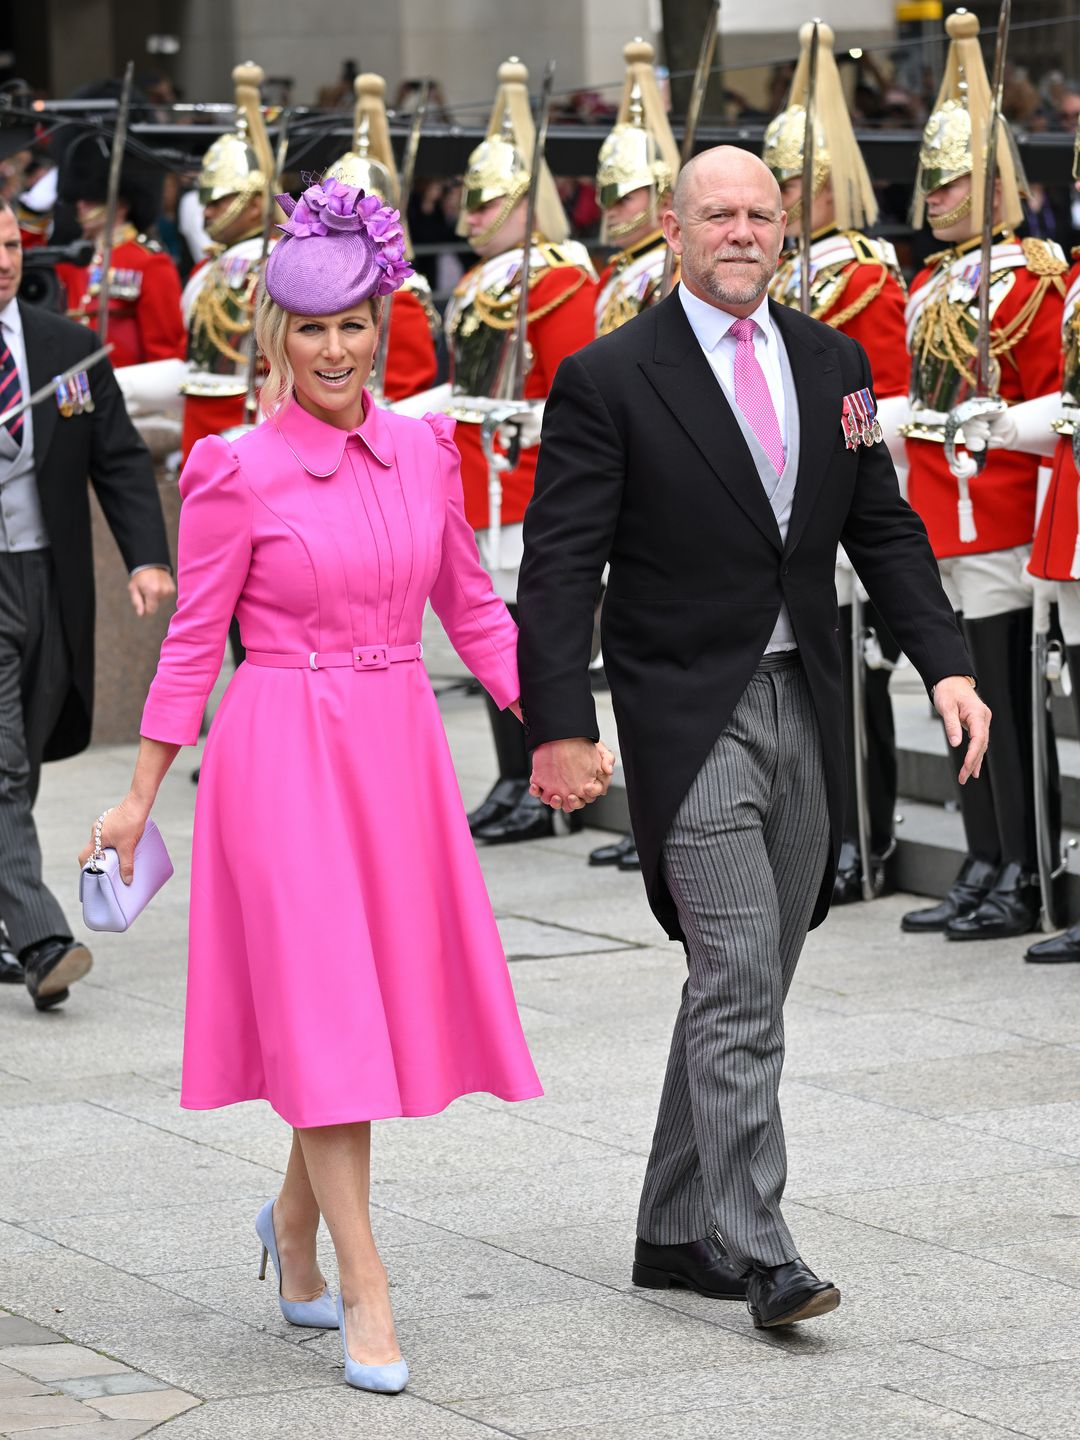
[701, 450]
[47, 594]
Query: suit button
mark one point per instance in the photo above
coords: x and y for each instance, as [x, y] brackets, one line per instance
[785, 570]
[527, 729]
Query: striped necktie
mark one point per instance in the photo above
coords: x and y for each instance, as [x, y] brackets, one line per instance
[10, 391]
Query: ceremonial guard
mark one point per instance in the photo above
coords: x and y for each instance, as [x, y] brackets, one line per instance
[481, 321]
[411, 362]
[145, 323]
[855, 286]
[1049, 426]
[981, 521]
[635, 174]
[235, 184]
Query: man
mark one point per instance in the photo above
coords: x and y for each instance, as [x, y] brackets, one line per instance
[480, 323]
[855, 286]
[981, 524]
[145, 323]
[636, 168]
[411, 362]
[47, 593]
[701, 451]
[218, 300]
[1046, 426]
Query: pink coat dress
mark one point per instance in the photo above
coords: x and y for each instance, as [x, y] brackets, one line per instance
[344, 963]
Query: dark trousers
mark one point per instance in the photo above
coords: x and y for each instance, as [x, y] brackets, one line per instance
[744, 859]
[35, 675]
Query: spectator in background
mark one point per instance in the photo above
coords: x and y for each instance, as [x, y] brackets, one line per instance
[339, 95]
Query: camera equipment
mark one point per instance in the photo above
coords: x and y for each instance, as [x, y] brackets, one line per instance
[40, 282]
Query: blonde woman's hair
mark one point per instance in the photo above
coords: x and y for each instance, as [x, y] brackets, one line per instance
[271, 330]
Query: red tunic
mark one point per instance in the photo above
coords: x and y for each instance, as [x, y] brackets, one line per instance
[411, 366]
[1004, 492]
[551, 337]
[143, 326]
[878, 327]
[1055, 540]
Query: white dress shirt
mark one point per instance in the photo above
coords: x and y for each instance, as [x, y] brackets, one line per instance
[711, 326]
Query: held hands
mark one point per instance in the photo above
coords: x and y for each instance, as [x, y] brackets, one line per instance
[121, 831]
[569, 774]
[961, 709]
[148, 588]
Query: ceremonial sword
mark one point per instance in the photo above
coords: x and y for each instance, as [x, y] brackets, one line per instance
[116, 160]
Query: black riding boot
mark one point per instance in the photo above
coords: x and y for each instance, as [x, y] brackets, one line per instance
[1001, 653]
[1064, 948]
[880, 764]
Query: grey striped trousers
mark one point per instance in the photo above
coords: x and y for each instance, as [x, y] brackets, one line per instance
[34, 678]
[743, 860]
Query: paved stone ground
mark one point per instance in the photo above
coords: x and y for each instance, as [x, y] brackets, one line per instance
[932, 1100]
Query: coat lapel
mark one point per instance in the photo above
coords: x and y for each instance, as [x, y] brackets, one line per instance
[42, 367]
[819, 386]
[683, 379]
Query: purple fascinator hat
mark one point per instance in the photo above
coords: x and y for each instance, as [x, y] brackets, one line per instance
[339, 247]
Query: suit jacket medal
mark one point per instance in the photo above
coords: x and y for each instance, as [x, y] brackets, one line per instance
[859, 419]
[73, 395]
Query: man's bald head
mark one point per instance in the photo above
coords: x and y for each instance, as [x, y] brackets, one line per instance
[727, 224]
[713, 167]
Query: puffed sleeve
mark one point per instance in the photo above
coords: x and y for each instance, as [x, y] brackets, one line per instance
[214, 555]
[478, 623]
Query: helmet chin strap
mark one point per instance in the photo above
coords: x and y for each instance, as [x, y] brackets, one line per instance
[950, 217]
[229, 216]
[505, 210]
[618, 230]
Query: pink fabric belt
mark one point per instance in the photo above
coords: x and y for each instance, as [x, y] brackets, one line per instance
[361, 657]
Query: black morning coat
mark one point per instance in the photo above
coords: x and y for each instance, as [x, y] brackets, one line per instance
[104, 446]
[642, 464]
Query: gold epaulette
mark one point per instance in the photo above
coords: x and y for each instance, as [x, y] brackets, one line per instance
[1044, 257]
[144, 242]
[933, 261]
[866, 252]
[568, 254]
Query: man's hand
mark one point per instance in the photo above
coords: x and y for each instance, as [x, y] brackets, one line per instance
[958, 705]
[568, 774]
[148, 588]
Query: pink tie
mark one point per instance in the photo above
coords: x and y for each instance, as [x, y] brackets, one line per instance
[752, 393]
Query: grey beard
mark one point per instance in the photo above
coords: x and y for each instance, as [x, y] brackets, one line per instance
[729, 296]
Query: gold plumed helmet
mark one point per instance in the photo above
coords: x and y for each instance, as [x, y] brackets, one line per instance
[837, 156]
[954, 137]
[369, 165]
[239, 163]
[499, 166]
[640, 151]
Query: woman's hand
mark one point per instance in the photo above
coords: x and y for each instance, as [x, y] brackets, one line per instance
[569, 774]
[121, 831]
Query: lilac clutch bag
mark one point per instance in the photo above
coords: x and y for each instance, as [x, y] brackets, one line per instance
[109, 904]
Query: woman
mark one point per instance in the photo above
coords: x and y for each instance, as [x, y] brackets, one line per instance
[344, 962]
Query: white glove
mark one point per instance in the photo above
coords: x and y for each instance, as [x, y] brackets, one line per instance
[996, 431]
[965, 467]
[526, 425]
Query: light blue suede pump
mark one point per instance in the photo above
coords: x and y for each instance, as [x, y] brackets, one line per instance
[319, 1314]
[385, 1379]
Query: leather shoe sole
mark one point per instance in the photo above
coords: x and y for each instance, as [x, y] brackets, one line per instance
[650, 1279]
[820, 1303]
[71, 966]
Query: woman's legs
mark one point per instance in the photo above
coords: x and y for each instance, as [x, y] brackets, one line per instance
[296, 1224]
[338, 1160]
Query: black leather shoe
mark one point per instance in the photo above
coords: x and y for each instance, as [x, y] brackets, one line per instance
[530, 819]
[51, 966]
[783, 1294]
[499, 801]
[700, 1265]
[847, 887]
[629, 860]
[969, 889]
[11, 970]
[1011, 908]
[613, 854]
[1059, 951]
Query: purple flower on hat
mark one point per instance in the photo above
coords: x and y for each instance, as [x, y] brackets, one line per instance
[368, 253]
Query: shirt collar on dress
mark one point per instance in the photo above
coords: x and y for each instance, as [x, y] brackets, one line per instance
[710, 324]
[319, 446]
